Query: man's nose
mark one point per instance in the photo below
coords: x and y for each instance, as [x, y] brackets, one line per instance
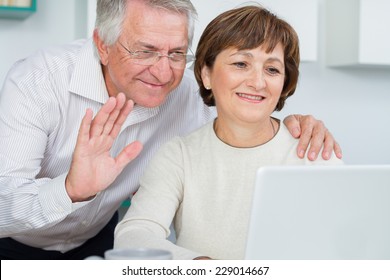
[162, 69]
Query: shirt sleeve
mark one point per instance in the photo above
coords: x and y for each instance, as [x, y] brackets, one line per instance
[27, 200]
[153, 207]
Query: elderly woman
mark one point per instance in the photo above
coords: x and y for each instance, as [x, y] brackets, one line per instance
[247, 66]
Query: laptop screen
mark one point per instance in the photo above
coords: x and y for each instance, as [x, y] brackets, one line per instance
[320, 212]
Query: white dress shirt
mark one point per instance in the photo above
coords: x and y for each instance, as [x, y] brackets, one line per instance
[42, 102]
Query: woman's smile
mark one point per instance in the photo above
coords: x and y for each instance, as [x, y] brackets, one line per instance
[250, 97]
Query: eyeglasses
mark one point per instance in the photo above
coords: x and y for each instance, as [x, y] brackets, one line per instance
[176, 60]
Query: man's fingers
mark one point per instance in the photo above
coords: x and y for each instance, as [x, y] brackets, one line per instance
[123, 114]
[129, 153]
[120, 102]
[293, 125]
[313, 132]
[337, 150]
[317, 140]
[303, 143]
[331, 145]
[102, 116]
[328, 146]
[307, 126]
[85, 126]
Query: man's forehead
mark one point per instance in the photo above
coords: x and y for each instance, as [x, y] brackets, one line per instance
[170, 32]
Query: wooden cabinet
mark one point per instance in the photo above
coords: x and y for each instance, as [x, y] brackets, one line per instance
[11, 11]
[358, 33]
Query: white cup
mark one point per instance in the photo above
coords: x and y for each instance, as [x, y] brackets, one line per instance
[134, 254]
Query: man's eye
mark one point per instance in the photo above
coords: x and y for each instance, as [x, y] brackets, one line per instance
[177, 53]
[178, 56]
[145, 54]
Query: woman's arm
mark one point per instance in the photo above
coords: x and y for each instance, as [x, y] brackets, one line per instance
[153, 207]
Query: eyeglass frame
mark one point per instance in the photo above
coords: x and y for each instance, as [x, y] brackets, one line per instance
[157, 56]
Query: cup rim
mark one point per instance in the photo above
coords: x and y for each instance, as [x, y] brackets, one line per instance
[139, 253]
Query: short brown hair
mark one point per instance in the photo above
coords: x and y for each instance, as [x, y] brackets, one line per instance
[248, 27]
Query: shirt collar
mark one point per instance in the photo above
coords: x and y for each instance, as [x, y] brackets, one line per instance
[87, 78]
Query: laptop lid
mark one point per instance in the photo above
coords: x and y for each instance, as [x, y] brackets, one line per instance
[320, 212]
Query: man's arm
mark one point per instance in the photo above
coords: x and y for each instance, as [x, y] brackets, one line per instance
[27, 202]
[313, 132]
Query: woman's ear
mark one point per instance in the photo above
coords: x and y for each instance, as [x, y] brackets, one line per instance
[206, 79]
[101, 47]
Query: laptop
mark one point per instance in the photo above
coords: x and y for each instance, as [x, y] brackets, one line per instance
[320, 213]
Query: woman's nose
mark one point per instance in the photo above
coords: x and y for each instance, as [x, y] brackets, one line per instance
[256, 80]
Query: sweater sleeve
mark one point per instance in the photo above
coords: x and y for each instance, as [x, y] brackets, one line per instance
[153, 207]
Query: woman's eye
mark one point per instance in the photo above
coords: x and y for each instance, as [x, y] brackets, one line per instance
[240, 64]
[273, 70]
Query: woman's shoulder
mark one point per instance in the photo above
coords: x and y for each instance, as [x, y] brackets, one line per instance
[283, 136]
[285, 143]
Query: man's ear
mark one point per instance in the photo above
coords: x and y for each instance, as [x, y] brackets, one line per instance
[101, 47]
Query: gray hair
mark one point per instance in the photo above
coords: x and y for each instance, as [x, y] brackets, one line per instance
[110, 15]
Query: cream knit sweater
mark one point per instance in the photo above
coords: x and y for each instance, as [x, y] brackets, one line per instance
[205, 187]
